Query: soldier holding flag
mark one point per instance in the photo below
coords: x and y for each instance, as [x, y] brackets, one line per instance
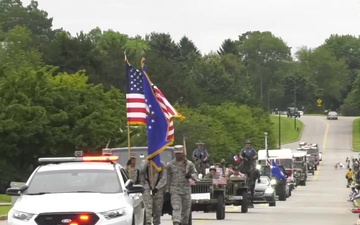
[154, 182]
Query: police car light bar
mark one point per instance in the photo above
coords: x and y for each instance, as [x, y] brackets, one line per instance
[79, 159]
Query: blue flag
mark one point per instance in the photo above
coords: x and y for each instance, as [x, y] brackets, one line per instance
[276, 171]
[157, 124]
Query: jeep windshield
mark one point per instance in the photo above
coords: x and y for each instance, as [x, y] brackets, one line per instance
[312, 151]
[298, 165]
[74, 181]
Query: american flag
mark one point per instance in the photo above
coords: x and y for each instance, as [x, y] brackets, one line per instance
[219, 181]
[168, 110]
[135, 99]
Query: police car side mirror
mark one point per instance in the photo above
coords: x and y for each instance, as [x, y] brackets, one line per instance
[136, 189]
[129, 184]
[16, 191]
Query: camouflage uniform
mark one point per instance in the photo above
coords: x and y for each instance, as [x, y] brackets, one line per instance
[180, 189]
[153, 199]
[133, 173]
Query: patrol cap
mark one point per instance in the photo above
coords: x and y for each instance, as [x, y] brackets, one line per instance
[248, 141]
[178, 149]
[132, 156]
[212, 168]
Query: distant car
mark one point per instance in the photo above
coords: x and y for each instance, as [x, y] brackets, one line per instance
[265, 191]
[301, 113]
[332, 116]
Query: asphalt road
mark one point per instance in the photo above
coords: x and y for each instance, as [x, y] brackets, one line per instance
[322, 201]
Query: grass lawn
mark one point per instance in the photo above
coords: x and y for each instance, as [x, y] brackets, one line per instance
[5, 198]
[288, 133]
[4, 210]
[356, 135]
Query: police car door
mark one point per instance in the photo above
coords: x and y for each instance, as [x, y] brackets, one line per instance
[136, 198]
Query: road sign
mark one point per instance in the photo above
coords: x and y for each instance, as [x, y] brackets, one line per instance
[319, 101]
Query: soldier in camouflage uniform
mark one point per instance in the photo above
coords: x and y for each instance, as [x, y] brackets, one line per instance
[179, 171]
[131, 168]
[153, 196]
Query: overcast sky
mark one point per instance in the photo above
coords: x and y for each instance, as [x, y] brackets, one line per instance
[208, 22]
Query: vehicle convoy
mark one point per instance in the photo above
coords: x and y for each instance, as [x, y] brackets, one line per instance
[78, 190]
[282, 157]
[300, 168]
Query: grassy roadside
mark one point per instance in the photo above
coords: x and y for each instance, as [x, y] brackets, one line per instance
[4, 209]
[288, 133]
[356, 135]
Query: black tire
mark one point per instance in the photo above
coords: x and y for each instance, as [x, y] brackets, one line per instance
[133, 220]
[220, 209]
[272, 203]
[282, 193]
[290, 192]
[313, 173]
[245, 202]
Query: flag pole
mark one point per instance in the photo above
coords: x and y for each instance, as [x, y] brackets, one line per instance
[184, 143]
[128, 126]
[129, 141]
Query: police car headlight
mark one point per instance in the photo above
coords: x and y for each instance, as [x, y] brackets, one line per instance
[273, 182]
[269, 191]
[258, 167]
[113, 213]
[22, 215]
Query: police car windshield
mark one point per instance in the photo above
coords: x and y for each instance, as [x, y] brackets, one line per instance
[67, 181]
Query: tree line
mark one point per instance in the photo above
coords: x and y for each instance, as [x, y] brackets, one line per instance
[61, 92]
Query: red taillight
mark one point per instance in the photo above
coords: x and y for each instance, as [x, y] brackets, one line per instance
[84, 217]
[355, 210]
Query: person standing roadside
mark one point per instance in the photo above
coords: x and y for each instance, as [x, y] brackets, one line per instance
[179, 171]
[154, 186]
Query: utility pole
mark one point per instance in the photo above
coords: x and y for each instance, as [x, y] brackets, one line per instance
[295, 110]
[279, 129]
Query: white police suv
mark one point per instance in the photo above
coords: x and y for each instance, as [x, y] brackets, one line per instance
[83, 190]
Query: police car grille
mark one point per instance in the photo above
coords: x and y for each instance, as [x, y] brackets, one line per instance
[66, 218]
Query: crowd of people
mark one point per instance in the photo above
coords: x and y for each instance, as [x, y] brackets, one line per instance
[353, 177]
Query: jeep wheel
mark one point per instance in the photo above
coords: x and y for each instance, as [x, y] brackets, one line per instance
[282, 193]
[220, 210]
[273, 202]
[303, 183]
[244, 203]
[313, 173]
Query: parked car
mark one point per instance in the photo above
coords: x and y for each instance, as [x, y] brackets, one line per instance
[332, 115]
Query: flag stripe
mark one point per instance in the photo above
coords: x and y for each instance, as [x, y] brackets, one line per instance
[135, 99]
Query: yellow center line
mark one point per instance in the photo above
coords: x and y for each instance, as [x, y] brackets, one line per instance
[324, 147]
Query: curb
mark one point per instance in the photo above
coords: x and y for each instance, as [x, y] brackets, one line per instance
[302, 130]
[4, 217]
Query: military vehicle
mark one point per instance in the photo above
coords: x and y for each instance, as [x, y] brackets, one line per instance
[237, 193]
[300, 168]
[208, 195]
